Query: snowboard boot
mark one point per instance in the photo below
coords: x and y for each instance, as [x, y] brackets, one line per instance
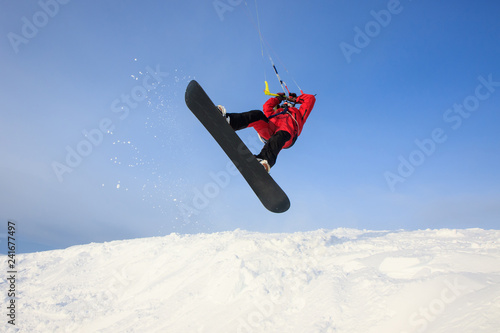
[265, 164]
[223, 112]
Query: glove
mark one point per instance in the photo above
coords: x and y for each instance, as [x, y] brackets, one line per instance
[292, 97]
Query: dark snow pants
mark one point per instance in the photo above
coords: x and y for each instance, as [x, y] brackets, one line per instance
[274, 142]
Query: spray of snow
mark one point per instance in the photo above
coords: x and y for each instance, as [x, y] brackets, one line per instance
[149, 138]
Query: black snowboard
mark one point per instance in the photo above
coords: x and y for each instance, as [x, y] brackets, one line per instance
[264, 186]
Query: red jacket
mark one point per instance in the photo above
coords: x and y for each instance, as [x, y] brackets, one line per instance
[292, 121]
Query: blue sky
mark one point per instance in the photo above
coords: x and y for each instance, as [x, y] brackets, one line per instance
[404, 133]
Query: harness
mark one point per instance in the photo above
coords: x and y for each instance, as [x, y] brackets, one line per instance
[286, 111]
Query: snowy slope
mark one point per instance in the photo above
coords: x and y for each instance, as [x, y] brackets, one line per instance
[323, 281]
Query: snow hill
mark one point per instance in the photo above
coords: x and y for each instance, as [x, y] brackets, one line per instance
[322, 281]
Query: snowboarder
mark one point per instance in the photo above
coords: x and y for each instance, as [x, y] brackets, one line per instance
[277, 125]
